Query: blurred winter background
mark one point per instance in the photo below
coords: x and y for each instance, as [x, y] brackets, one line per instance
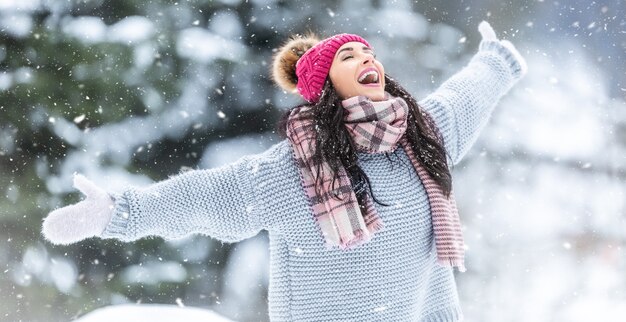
[130, 92]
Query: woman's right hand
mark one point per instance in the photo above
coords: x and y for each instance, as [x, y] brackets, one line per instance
[87, 218]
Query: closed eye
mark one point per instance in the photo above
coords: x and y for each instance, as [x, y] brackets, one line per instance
[347, 57]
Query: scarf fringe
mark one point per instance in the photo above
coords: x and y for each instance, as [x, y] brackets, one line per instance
[449, 262]
[376, 225]
[357, 239]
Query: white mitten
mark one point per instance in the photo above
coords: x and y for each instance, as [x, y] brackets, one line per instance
[87, 218]
[487, 33]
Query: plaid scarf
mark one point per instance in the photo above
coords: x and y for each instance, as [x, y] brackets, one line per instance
[375, 127]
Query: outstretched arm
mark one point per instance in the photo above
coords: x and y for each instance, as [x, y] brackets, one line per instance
[462, 105]
[217, 202]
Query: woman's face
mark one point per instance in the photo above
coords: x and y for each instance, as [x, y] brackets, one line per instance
[356, 72]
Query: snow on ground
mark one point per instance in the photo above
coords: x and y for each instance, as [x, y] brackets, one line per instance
[151, 313]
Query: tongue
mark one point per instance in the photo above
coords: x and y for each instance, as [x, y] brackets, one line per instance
[369, 79]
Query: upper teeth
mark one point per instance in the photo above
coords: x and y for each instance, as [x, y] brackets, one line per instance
[371, 72]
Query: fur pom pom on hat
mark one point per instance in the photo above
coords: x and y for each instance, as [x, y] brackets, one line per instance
[303, 63]
[284, 64]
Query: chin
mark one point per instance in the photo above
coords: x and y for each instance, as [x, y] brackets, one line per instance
[376, 96]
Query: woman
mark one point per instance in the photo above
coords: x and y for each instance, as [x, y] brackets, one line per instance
[357, 198]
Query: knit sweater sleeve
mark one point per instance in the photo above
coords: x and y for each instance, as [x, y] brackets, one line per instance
[462, 105]
[218, 202]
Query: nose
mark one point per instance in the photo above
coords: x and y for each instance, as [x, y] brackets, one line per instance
[367, 60]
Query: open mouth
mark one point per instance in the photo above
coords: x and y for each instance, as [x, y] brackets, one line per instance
[369, 77]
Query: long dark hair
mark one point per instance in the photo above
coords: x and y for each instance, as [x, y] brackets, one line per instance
[335, 146]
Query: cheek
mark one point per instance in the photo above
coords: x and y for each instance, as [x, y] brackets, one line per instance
[381, 67]
[342, 81]
[382, 70]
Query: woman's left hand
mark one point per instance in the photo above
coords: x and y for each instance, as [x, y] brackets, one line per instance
[488, 34]
[486, 31]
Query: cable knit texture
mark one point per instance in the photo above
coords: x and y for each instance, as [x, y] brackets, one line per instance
[313, 67]
[393, 277]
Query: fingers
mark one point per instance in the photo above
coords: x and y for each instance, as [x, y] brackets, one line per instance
[66, 225]
[488, 34]
[85, 186]
[82, 220]
[486, 31]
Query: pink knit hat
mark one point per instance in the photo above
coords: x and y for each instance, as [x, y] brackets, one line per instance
[313, 67]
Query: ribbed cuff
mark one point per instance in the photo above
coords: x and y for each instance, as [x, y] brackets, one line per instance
[119, 224]
[515, 61]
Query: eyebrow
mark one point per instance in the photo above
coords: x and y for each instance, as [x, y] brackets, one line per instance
[351, 49]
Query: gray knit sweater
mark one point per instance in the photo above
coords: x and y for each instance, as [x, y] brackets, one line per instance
[393, 277]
